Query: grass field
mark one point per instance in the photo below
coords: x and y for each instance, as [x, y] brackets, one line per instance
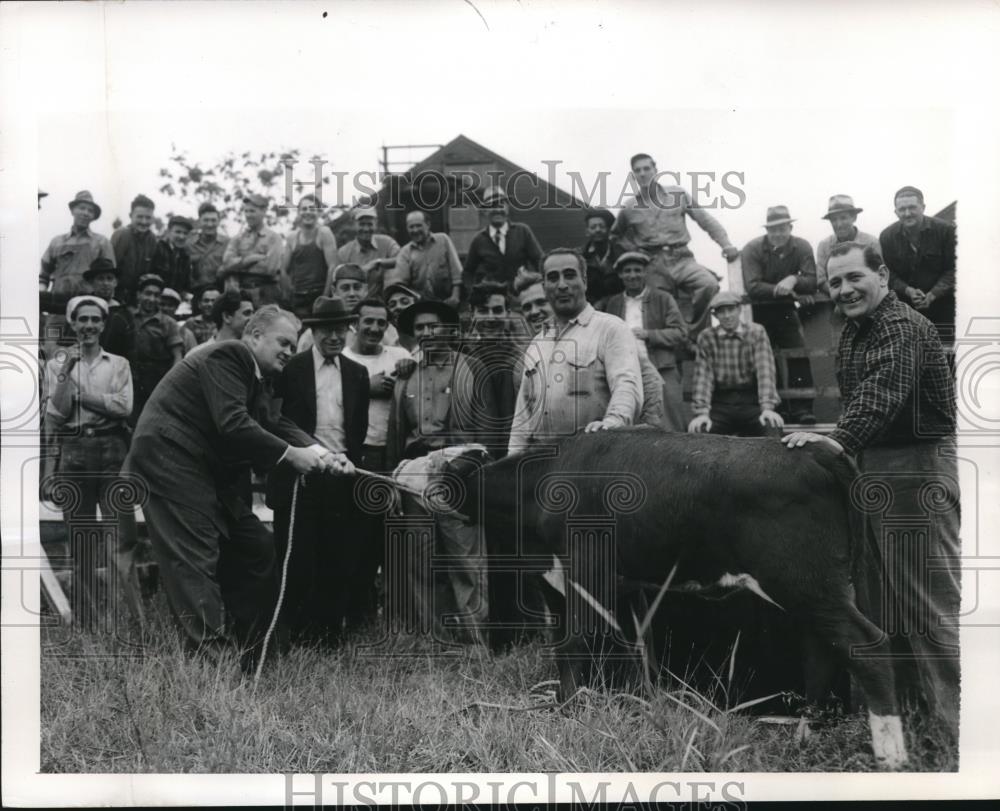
[108, 708]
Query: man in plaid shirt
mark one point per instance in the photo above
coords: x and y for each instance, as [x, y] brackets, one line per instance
[899, 420]
[734, 391]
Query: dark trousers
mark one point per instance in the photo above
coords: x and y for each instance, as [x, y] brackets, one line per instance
[674, 413]
[145, 377]
[89, 468]
[214, 577]
[736, 412]
[913, 586]
[784, 329]
[330, 572]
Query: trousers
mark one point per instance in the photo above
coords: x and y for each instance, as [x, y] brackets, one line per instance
[90, 467]
[220, 584]
[736, 412]
[912, 585]
[675, 270]
[784, 329]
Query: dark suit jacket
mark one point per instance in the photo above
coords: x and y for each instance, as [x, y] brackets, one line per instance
[296, 389]
[206, 423]
[484, 261]
[662, 318]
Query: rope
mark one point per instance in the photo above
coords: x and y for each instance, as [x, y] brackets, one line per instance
[299, 480]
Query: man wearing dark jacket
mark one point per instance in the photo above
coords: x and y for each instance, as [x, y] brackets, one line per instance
[210, 421]
[920, 254]
[502, 248]
[326, 395]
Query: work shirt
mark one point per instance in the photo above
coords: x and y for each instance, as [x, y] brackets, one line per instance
[68, 256]
[764, 266]
[263, 241]
[652, 224]
[206, 257]
[134, 257]
[173, 265]
[107, 377]
[575, 374]
[895, 383]
[602, 281]
[442, 403]
[431, 269]
[378, 407]
[155, 336]
[928, 265]
[824, 247]
[381, 247]
[741, 359]
[200, 328]
[329, 403]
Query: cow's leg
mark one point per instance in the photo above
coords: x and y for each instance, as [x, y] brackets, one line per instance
[864, 648]
[569, 651]
[819, 663]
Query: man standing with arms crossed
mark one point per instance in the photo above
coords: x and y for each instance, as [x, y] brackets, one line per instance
[899, 421]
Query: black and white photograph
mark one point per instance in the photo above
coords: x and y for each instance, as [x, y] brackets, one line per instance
[499, 402]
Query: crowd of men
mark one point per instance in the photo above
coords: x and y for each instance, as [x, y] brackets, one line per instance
[305, 357]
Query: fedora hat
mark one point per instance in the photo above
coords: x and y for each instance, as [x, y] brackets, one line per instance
[448, 315]
[100, 265]
[328, 310]
[778, 215]
[841, 203]
[493, 194]
[85, 197]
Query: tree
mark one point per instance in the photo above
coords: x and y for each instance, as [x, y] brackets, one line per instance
[225, 182]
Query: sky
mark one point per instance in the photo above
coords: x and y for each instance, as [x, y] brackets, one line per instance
[264, 78]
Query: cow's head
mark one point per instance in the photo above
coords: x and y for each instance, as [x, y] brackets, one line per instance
[445, 478]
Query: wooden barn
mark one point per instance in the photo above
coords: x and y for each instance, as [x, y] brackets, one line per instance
[433, 185]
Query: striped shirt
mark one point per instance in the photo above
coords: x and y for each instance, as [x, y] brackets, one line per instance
[895, 382]
[734, 360]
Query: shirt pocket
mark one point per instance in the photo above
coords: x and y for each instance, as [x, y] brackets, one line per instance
[581, 373]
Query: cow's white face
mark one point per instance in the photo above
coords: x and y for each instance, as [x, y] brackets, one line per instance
[440, 475]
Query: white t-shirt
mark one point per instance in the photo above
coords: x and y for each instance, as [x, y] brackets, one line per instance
[378, 407]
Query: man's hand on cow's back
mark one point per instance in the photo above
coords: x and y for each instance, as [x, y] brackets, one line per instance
[799, 439]
[701, 424]
[602, 425]
[770, 419]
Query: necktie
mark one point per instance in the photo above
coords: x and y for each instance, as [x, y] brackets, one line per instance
[497, 236]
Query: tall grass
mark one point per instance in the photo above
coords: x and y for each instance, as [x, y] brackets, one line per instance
[411, 708]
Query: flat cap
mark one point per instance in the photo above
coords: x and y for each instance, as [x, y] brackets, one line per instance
[170, 293]
[365, 211]
[399, 287]
[258, 200]
[725, 298]
[631, 256]
[349, 271]
[150, 278]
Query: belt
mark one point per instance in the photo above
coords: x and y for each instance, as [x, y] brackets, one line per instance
[89, 431]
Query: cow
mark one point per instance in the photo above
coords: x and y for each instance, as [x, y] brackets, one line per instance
[707, 512]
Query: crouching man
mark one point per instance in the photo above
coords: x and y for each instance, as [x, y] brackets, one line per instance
[210, 420]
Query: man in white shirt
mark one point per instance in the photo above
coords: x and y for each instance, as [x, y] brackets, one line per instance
[330, 577]
[381, 362]
[90, 397]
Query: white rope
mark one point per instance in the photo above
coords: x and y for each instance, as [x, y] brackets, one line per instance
[284, 578]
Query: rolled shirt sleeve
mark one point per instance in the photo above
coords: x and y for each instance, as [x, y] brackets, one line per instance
[621, 366]
[118, 401]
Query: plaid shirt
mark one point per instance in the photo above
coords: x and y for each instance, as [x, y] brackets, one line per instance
[731, 361]
[895, 382]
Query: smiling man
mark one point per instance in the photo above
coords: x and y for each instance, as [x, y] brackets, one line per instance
[210, 421]
[899, 420]
[581, 371]
[920, 254]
